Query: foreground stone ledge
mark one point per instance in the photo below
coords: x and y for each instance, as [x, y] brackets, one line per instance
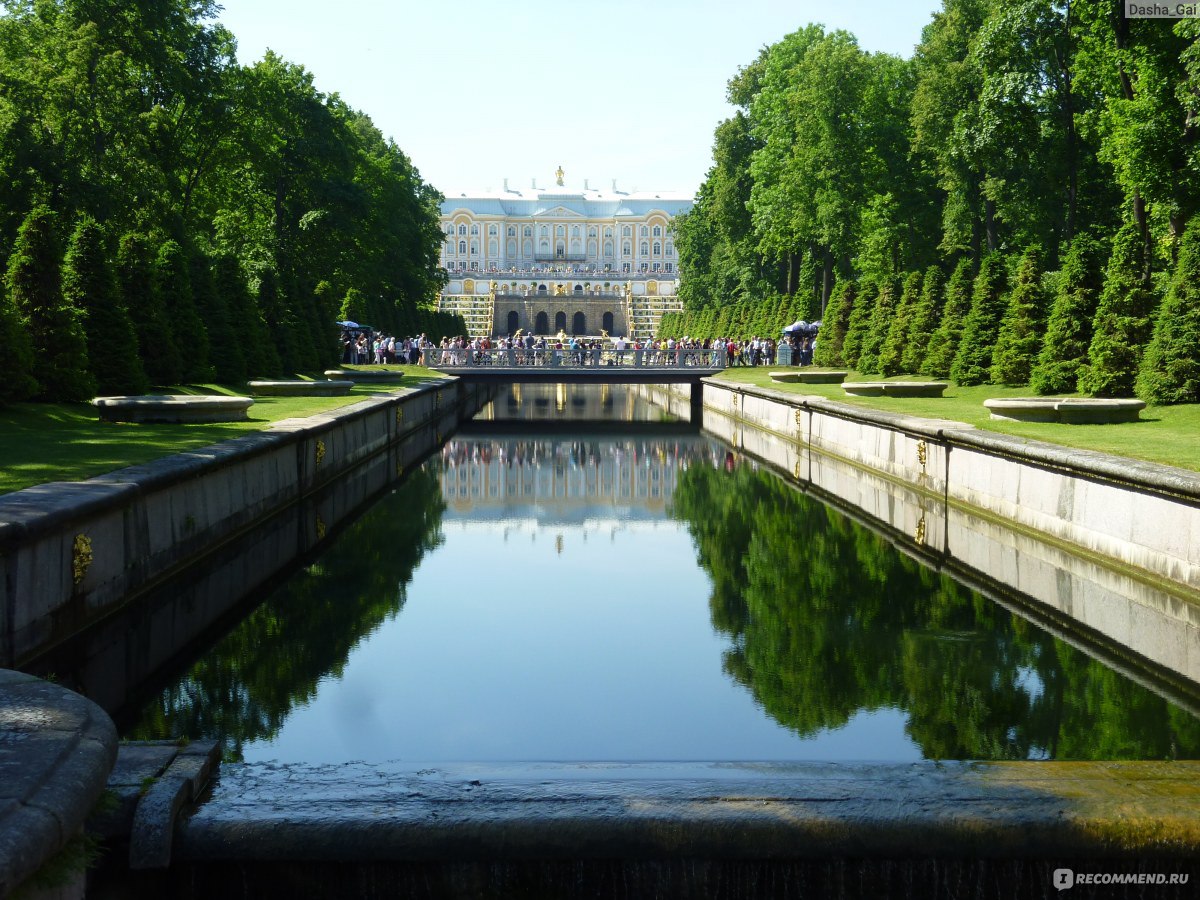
[772, 811]
[326, 388]
[809, 376]
[895, 388]
[1069, 410]
[173, 408]
[56, 751]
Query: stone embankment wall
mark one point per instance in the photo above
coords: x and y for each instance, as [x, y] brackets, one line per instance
[73, 553]
[1108, 547]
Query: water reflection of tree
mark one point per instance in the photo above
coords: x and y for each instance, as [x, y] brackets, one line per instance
[244, 688]
[826, 619]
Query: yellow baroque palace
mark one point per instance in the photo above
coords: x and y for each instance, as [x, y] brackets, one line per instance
[544, 260]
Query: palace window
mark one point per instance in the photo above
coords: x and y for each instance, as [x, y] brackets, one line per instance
[592, 231]
[627, 231]
[644, 232]
[474, 248]
[654, 268]
[474, 230]
[462, 230]
[645, 249]
[625, 250]
[669, 267]
[658, 231]
[574, 231]
[512, 232]
[670, 249]
[545, 231]
[492, 231]
[608, 231]
[625, 268]
[528, 231]
[657, 249]
[462, 246]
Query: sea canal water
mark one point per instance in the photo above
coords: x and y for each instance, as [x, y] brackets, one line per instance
[576, 577]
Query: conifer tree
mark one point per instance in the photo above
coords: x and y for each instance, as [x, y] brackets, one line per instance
[1122, 325]
[89, 285]
[973, 361]
[1019, 339]
[891, 353]
[259, 351]
[1069, 328]
[882, 314]
[859, 324]
[835, 325]
[139, 293]
[1170, 368]
[226, 350]
[943, 346]
[280, 327]
[16, 354]
[923, 320]
[54, 326]
[172, 276]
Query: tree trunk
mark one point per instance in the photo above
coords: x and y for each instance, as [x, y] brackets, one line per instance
[989, 225]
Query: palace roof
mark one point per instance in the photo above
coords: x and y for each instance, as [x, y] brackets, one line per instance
[560, 201]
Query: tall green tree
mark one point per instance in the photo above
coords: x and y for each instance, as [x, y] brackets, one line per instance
[1122, 325]
[227, 348]
[173, 283]
[943, 346]
[883, 313]
[1019, 338]
[973, 360]
[89, 285]
[1069, 329]
[54, 326]
[1170, 370]
[835, 325]
[891, 353]
[923, 320]
[140, 295]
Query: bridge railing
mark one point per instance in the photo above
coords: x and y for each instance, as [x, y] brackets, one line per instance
[584, 358]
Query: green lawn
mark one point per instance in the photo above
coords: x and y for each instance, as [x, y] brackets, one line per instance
[1166, 434]
[42, 442]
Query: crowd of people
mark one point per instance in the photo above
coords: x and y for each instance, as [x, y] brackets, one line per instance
[365, 348]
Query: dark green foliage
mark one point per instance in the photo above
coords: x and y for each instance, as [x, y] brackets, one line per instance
[1170, 369]
[847, 623]
[943, 345]
[54, 326]
[835, 325]
[1019, 339]
[262, 357]
[139, 293]
[1122, 324]
[859, 325]
[923, 320]
[172, 274]
[89, 285]
[1069, 329]
[891, 354]
[281, 324]
[973, 361]
[226, 349]
[16, 354]
[882, 314]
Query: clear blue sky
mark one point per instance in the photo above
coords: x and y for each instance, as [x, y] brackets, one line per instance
[475, 91]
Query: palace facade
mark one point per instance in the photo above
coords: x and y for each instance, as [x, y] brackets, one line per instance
[546, 260]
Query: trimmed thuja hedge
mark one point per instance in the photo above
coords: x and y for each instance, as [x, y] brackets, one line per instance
[1020, 334]
[1170, 370]
[1069, 329]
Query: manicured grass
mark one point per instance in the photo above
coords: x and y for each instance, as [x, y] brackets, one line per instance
[42, 442]
[1166, 434]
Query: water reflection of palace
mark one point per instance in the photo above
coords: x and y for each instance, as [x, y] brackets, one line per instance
[568, 480]
[570, 402]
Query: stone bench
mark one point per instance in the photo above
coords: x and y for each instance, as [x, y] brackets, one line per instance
[329, 388]
[173, 408]
[365, 375]
[895, 388]
[1069, 410]
[810, 376]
